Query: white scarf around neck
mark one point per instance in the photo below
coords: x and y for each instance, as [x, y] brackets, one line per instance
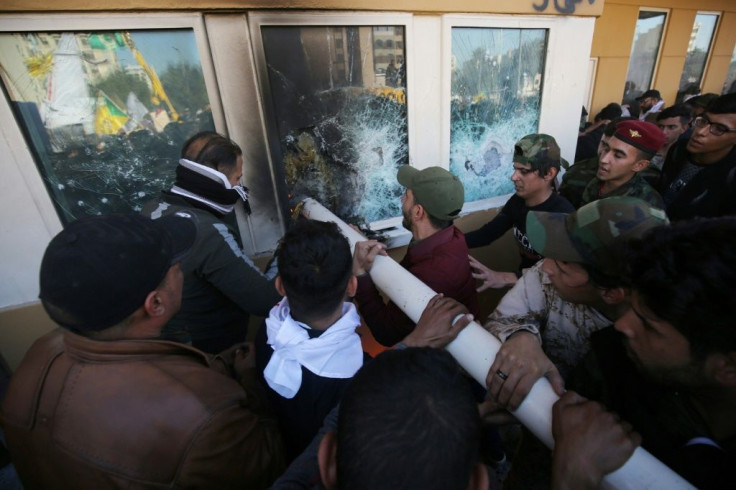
[336, 353]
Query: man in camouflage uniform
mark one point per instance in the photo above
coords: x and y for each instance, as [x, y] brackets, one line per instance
[576, 178]
[573, 292]
[623, 157]
[546, 319]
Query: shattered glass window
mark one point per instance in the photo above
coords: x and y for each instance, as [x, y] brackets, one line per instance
[339, 98]
[644, 51]
[497, 77]
[105, 113]
[698, 49]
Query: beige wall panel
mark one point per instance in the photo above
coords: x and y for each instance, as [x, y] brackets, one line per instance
[727, 5]
[609, 83]
[716, 75]
[19, 328]
[726, 35]
[667, 79]
[614, 31]
[677, 37]
[484, 6]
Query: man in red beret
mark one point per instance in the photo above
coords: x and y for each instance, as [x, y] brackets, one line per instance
[622, 158]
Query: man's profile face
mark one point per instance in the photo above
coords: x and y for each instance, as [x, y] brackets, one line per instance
[527, 182]
[602, 145]
[703, 141]
[407, 203]
[672, 127]
[571, 281]
[656, 347]
[618, 161]
[647, 103]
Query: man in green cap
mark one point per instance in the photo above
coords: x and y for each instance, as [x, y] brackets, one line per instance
[545, 320]
[537, 162]
[437, 254]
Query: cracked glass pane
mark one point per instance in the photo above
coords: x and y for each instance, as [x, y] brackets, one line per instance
[339, 99]
[105, 113]
[497, 77]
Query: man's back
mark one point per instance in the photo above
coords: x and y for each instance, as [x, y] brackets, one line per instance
[133, 414]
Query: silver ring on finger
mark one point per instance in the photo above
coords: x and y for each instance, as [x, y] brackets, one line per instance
[502, 375]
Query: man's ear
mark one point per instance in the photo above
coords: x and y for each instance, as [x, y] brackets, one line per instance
[327, 460]
[613, 296]
[724, 369]
[551, 174]
[640, 165]
[418, 211]
[279, 286]
[154, 304]
[352, 287]
[479, 478]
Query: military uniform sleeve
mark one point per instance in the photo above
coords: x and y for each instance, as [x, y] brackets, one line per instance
[228, 269]
[522, 308]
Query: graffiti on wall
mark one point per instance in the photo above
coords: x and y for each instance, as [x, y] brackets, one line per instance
[567, 7]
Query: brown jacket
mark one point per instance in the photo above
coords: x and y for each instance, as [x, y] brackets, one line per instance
[135, 414]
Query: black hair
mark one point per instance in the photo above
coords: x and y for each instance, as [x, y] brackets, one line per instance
[683, 111]
[315, 264]
[408, 420]
[685, 274]
[725, 104]
[211, 150]
[611, 111]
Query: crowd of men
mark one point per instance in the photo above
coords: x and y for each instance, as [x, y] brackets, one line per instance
[623, 302]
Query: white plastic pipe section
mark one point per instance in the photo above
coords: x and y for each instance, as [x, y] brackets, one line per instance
[475, 349]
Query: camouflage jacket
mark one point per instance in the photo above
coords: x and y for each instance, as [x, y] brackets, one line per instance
[562, 327]
[636, 187]
[576, 179]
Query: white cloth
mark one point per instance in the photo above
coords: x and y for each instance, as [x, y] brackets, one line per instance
[653, 110]
[214, 175]
[337, 353]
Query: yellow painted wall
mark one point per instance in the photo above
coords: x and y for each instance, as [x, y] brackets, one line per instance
[614, 35]
[434, 6]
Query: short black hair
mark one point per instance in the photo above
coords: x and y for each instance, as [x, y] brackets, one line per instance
[211, 150]
[683, 111]
[611, 111]
[685, 274]
[725, 104]
[315, 264]
[408, 420]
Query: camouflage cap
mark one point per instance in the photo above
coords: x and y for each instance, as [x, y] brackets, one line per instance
[436, 189]
[595, 233]
[539, 150]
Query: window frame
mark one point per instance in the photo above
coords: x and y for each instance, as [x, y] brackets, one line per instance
[26, 23]
[560, 70]
[658, 58]
[257, 20]
[711, 44]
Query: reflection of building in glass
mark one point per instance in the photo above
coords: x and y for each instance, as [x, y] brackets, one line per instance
[693, 37]
[388, 53]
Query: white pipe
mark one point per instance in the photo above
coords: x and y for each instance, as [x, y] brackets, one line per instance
[475, 348]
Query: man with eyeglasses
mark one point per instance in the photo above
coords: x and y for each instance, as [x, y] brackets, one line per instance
[699, 175]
